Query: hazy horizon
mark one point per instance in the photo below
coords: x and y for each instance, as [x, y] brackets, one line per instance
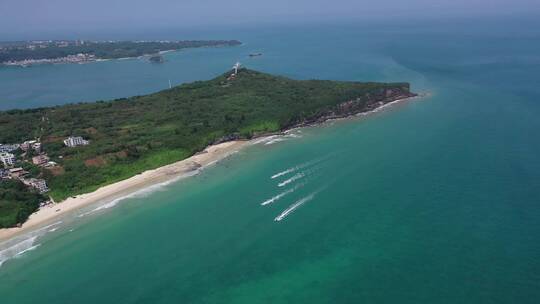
[62, 19]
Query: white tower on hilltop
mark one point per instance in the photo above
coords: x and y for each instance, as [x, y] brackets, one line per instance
[236, 67]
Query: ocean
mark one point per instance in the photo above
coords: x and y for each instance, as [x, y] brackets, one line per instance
[433, 200]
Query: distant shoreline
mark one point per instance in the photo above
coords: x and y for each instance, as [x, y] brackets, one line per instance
[83, 56]
[180, 169]
[64, 60]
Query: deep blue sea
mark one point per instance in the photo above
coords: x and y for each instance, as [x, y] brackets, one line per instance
[434, 200]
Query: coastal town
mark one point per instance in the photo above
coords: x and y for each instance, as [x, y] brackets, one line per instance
[30, 53]
[45, 44]
[78, 58]
[18, 162]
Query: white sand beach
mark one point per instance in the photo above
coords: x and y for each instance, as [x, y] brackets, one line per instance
[148, 178]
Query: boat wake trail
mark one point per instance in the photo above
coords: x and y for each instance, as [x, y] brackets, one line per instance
[294, 206]
[290, 170]
[299, 167]
[297, 176]
[281, 195]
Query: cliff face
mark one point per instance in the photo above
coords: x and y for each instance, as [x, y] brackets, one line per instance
[361, 104]
[372, 101]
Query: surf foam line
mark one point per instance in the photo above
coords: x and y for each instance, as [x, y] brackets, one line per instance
[281, 195]
[272, 139]
[17, 249]
[26, 244]
[141, 193]
[294, 206]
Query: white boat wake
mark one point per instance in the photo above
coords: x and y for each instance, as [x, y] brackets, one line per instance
[295, 177]
[290, 170]
[281, 195]
[294, 206]
[299, 167]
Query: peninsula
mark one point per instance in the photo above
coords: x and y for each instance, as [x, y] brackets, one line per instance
[68, 150]
[29, 53]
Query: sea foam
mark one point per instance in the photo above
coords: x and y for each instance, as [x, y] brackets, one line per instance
[140, 193]
[23, 244]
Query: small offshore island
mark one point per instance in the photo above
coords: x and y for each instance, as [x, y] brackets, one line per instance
[28, 53]
[67, 150]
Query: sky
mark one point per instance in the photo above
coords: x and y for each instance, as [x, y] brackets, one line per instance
[19, 18]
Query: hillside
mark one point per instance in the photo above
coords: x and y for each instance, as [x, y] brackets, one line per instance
[131, 135]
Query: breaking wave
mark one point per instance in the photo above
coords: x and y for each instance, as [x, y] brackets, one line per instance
[17, 249]
[23, 246]
[272, 139]
[265, 139]
[139, 194]
[294, 206]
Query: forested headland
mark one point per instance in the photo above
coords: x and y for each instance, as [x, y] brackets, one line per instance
[130, 135]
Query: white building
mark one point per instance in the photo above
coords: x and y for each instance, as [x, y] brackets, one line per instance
[8, 148]
[34, 144]
[37, 183]
[74, 141]
[8, 159]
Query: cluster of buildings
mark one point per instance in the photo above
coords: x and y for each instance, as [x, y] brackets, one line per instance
[9, 160]
[79, 58]
[19, 173]
[40, 44]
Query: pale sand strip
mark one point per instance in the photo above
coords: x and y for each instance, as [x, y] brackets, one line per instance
[130, 185]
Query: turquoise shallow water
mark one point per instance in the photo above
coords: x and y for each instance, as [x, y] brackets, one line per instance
[431, 201]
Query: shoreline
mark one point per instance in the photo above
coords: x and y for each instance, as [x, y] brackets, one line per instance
[125, 187]
[178, 170]
[58, 61]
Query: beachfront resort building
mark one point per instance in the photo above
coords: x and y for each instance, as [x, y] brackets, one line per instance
[8, 159]
[74, 141]
[36, 183]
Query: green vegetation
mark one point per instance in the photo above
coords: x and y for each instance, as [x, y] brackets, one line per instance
[103, 50]
[17, 202]
[130, 135]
